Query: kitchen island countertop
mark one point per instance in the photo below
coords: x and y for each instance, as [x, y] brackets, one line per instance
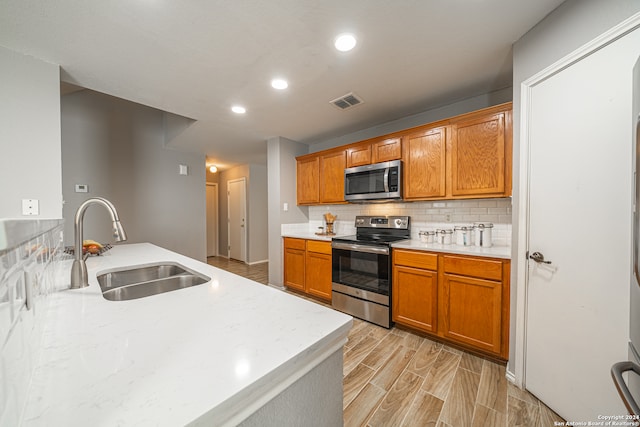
[211, 354]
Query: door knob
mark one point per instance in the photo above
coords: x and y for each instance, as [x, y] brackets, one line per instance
[539, 258]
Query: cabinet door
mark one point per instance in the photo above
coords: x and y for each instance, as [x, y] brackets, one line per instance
[308, 181]
[478, 156]
[294, 263]
[332, 167]
[470, 312]
[318, 275]
[359, 155]
[424, 164]
[387, 150]
[415, 296]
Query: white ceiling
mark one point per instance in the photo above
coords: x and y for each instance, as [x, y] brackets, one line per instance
[196, 58]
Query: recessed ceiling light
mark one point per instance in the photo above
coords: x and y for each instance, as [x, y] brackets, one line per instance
[238, 109]
[345, 42]
[279, 84]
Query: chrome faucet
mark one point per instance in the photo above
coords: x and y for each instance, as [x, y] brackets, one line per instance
[79, 277]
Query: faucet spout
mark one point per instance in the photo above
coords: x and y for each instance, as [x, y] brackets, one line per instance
[79, 277]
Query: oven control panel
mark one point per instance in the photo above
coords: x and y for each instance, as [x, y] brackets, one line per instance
[397, 222]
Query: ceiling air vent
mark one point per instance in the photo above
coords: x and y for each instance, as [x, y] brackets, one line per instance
[347, 101]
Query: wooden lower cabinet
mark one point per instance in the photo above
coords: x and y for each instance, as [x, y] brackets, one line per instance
[471, 311]
[460, 299]
[294, 261]
[318, 269]
[307, 266]
[415, 297]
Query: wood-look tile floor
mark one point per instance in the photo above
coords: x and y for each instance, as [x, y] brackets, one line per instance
[257, 272]
[397, 378]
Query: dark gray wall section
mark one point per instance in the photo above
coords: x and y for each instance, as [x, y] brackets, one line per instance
[116, 147]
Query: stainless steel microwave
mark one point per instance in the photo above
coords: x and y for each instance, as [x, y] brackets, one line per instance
[380, 181]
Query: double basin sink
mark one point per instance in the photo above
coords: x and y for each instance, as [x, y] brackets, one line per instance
[144, 281]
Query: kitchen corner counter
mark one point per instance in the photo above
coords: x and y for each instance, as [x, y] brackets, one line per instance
[211, 354]
[503, 252]
[308, 235]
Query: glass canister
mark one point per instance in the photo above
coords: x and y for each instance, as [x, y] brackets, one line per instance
[483, 234]
[463, 235]
[427, 236]
[444, 236]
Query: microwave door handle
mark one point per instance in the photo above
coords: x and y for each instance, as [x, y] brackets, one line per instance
[386, 180]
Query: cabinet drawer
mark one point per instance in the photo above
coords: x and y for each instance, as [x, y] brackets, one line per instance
[475, 267]
[290, 242]
[319, 247]
[416, 259]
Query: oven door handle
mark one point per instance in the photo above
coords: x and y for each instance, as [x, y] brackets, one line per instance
[361, 248]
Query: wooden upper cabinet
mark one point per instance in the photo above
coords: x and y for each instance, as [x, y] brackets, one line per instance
[332, 167]
[359, 155]
[424, 156]
[464, 157]
[308, 180]
[481, 155]
[386, 150]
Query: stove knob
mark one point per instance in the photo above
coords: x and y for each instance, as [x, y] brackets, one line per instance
[399, 222]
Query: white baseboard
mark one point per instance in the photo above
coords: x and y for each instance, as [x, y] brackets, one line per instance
[257, 262]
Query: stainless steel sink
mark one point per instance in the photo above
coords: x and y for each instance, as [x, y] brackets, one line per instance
[139, 282]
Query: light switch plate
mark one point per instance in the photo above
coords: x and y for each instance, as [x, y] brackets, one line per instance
[184, 170]
[82, 188]
[30, 207]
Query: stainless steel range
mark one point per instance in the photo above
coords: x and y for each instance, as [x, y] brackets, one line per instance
[361, 267]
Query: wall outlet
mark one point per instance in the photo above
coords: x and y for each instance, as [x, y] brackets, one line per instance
[30, 207]
[448, 217]
[82, 188]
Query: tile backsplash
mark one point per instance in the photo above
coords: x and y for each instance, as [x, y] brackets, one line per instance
[31, 255]
[425, 215]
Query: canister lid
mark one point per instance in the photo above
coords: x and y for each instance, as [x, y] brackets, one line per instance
[483, 225]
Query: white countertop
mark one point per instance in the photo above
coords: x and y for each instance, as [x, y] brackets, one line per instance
[309, 235]
[492, 252]
[210, 354]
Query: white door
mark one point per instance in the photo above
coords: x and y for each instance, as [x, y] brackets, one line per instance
[580, 176]
[212, 220]
[236, 196]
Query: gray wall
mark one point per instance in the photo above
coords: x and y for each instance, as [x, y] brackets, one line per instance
[256, 192]
[281, 163]
[29, 135]
[571, 25]
[258, 221]
[116, 147]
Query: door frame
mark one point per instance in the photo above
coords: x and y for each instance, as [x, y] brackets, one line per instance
[244, 204]
[518, 374]
[217, 217]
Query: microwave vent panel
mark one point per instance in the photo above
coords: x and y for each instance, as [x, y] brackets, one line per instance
[347, 101]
